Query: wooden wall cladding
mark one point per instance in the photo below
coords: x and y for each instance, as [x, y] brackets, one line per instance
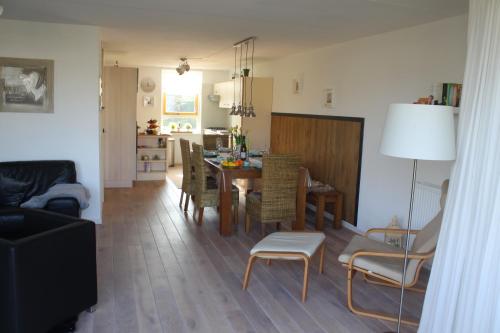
[330, 148]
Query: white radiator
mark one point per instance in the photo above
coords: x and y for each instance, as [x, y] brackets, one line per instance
[425, 204]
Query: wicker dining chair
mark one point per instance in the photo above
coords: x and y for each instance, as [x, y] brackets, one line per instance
[277, 200]
[187, 173]
[206, 192]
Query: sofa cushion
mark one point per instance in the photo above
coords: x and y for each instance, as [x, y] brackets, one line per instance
[12, 191]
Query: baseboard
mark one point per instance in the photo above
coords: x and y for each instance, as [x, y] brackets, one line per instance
[117, 183]
[345, 224]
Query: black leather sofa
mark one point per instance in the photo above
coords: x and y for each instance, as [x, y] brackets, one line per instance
[21, 180]
[48, 269]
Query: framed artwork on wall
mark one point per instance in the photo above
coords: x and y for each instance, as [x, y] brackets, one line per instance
[328, 98]
[26, 85]
[149, 101]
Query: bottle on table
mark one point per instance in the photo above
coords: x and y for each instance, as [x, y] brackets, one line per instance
[243, 150]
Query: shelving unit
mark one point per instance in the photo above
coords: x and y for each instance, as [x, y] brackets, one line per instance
[151, 157]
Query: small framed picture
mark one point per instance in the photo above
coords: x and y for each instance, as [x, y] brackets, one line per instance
[298, 85]
[328, 98]
[149, 101]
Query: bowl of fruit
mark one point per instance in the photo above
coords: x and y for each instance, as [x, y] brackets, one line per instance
[231, 163]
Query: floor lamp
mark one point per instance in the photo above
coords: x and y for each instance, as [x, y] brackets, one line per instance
[417, 132]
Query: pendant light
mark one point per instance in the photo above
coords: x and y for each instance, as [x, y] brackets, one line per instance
[245, 107]
[251, 110]
[239, 110]
[233, 107]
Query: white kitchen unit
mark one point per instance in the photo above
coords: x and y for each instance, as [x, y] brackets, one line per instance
[259, 128]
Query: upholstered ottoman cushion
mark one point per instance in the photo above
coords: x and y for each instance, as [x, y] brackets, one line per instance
[296, 242]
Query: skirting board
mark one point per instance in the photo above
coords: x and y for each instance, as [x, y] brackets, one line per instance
[345, 224]
[117, 183]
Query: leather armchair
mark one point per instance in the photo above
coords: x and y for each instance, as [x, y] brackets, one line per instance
[48, 270]
[21, 180]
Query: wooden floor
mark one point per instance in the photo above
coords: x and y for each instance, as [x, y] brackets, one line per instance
[160, 272]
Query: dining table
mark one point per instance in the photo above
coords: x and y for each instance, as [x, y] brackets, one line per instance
[250, 172]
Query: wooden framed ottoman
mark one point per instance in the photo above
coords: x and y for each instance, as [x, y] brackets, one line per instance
[288, 246]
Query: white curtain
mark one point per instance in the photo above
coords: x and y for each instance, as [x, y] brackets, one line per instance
[464, 288]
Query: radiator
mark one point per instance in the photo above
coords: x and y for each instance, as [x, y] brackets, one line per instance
[425, 204]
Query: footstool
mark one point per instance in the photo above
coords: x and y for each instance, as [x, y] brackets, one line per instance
[288, 246]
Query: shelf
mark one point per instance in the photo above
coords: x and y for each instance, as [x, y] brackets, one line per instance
[154, 172]
[143, 149]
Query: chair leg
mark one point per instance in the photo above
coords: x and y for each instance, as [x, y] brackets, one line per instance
[371, 314]
[278, 226]
[200, 215]
[236, 215]
[306, 279]
[248, 223]
[182, 197]
[186, 204]
[246, 279]
[322, 257]
[268, 262]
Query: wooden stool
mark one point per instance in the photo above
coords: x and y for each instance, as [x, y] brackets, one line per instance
[322, 198]
[288, 246]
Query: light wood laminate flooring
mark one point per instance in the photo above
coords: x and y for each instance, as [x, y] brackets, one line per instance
[160, 272]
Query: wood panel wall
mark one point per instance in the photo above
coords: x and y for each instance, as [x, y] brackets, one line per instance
[330, 147]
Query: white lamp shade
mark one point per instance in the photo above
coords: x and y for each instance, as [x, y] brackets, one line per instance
[419, 131]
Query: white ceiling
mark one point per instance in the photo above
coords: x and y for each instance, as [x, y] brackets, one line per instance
[158, 32]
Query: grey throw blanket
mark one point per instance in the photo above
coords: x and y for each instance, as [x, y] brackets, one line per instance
[76, 191]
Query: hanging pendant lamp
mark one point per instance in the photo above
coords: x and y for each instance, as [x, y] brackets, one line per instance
[245, 108]
[233, 107]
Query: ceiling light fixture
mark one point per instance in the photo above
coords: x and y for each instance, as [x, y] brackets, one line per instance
[245, 107]
[183, 66]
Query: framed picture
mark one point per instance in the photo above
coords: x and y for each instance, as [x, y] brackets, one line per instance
[328, 99]
[298, 85]
[149, 101]
[26, 85]
[180, 104]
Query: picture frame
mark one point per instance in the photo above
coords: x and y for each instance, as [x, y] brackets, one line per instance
[298, 85]
[186, 105]
[328, 98]
[26, 85]
[148, 101]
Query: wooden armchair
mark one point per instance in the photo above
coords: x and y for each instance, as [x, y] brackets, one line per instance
[382, 264]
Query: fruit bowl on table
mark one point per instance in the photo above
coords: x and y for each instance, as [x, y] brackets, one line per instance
[232, 164]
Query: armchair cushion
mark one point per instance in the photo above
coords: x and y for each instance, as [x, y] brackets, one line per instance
[388, 267]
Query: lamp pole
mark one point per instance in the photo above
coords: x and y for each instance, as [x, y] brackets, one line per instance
[410, 212]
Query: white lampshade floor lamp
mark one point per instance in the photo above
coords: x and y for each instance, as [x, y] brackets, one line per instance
[418, 132]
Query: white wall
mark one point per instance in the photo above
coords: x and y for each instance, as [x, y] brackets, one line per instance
[145, 113]
[72, 131]
[367, 75]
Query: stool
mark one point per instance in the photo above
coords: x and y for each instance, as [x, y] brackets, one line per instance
[322, 198]
[288, 246]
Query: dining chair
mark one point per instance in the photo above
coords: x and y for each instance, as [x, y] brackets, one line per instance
[277, 200]
[187, 173]
[382, 264]
[206, 192]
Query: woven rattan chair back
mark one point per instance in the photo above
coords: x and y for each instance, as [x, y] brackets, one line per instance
[186, 165]
[279, 187]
